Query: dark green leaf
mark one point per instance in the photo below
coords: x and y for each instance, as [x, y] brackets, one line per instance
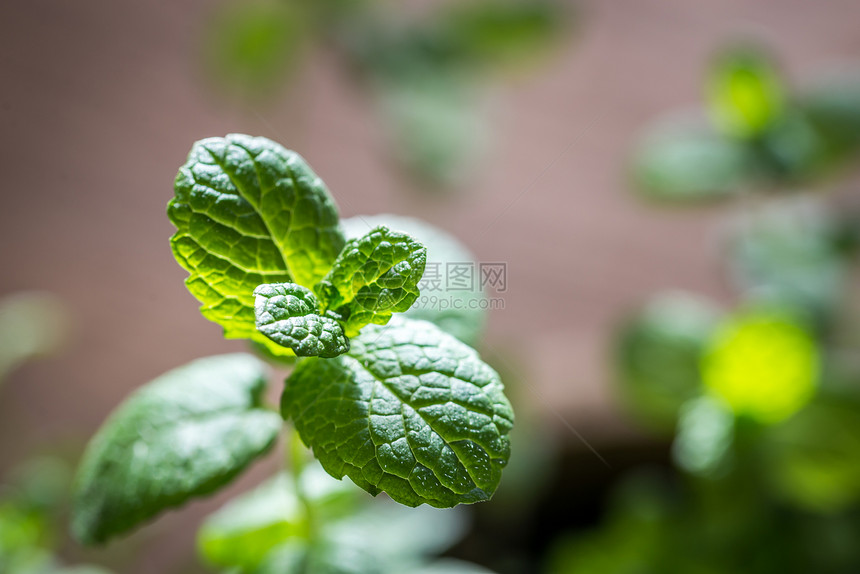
[184, 435]
[410, 410]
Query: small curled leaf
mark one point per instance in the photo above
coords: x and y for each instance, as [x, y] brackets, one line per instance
[374, 276]
[288, 314]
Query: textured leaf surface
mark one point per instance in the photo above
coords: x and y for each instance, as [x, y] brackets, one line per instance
[249, 212]
[288, 314]
[410, 410]
[183, 435]
[461, 312]
[374, 276]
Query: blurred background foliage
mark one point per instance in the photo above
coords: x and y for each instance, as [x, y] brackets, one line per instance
[32, 518]
[754, 132]
[424, 70]
[760, 402]
[33, 324]
[34, 495]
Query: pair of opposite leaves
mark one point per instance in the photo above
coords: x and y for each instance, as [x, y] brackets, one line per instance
[373, 277]
[406, 408]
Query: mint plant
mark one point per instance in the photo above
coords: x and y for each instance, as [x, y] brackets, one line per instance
[396, 404]
[32, 498]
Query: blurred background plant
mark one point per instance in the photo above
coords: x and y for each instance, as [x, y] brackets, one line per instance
[755, 132]
[33, 325]
[306, 522]
[760, 402]
[424, 69]
[34, 494]
[32, 518]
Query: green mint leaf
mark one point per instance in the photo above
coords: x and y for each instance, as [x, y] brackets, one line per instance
[461, 312]
[249, 212]
[184, 435]
[374, 276]
[288, 314]
[409, 410]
